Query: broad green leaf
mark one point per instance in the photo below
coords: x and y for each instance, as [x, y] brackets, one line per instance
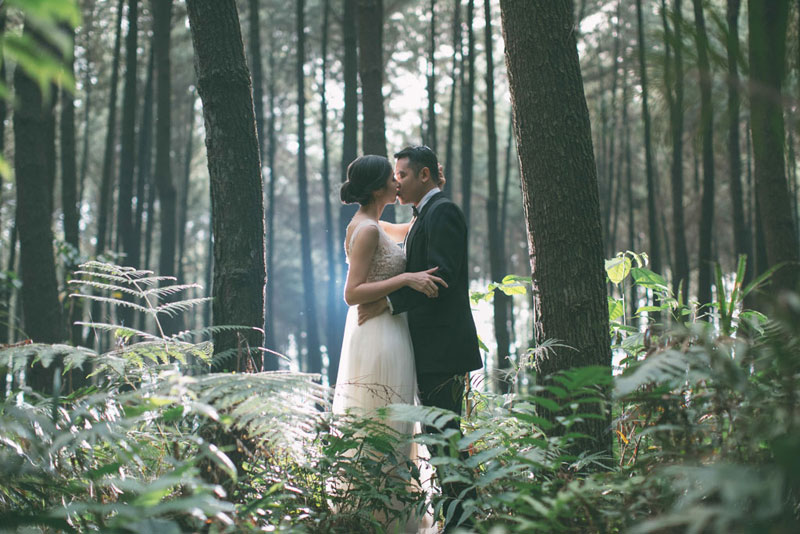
[646, 278]
[618, 268]
[615, 309]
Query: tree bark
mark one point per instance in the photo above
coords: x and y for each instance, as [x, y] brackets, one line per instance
[167, 195]
[633, 296]
[467, 114]
[451, 118]
[183, 212]
[560, 196]
[370, 69]
[675, 89]
[34, 166]
[107, 177]
[144, 162]
[706, 258]
[652, 216]
[270, 361]
[767, 23]
[430, 135]
[496, 238]
[309, 301]
[611, 172]
[223, 82]
[741, 237]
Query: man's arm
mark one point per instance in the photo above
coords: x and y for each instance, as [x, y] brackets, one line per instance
[447, 238]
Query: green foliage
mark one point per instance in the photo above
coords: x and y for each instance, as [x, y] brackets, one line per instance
[706, 434]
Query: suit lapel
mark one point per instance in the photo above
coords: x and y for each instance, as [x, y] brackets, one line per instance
[418, 223]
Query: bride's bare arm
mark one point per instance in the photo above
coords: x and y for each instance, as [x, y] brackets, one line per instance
[397, 231]
[358, 291]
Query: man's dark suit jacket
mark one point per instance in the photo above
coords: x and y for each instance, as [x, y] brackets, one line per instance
[442, 329]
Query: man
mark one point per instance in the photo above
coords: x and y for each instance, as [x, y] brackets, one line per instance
[442, 329]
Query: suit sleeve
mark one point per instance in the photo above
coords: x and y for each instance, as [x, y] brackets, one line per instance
[447, 241]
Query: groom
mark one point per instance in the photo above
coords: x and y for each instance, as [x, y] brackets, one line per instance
[442, 329]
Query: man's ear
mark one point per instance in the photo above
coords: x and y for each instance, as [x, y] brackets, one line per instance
[425, 174]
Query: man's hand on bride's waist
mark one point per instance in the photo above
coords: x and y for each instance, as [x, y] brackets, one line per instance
[370, 310]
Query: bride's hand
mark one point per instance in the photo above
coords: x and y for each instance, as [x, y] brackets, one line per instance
[425, 282]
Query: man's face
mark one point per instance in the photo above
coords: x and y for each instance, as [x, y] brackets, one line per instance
[410, 186]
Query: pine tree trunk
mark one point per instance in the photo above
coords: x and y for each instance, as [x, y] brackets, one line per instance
[144, 162]
[767, 24]
[87, 105]
[431, 140]
[223, 83]
[34, 165]
[467, 114]
[370, 69]
[183, 212]
[611, 172]
[451, 117]
[309, 301]
[5, 293]
[652, 215]
[675, 88]
[125, 226]
[270, 361]
[633, 293]
[107, 177]
[706, 258]
[167, 195]
[560, 196]
[496, 238]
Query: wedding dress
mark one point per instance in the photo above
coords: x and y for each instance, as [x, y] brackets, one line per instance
[377, 361]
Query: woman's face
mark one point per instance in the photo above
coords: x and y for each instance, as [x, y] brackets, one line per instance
[388, 193]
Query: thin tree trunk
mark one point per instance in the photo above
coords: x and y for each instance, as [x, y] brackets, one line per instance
[144, 163]
[633, 293]
[496, 238]
[87, 104]
[652, 216]
[183, 218]
[706, 258]
[223, 83]
[767, 24]
[451, 117]
[125, 226]
[333, 336]
[5, 293]
[611, 173]
[270, 360]
[675, 89]
[467, 113]
[167, 195]
[560, 196]
[431, 78]
[107, 177]
[34, 164]
[741, 237]
[309, 301]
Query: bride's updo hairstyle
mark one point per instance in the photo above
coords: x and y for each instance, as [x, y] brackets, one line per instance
[365, 175]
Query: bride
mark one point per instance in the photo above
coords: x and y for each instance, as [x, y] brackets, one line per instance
[377, 359]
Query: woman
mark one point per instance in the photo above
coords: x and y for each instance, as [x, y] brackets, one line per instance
[377, 360]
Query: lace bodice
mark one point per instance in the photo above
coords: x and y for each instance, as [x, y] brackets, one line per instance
[389, 259]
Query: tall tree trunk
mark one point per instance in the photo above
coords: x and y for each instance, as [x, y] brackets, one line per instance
[167, 195]
[431, 78]
[270, 360]
[652, 216]
[675, 88]
[87, 104]
[611, 172]
[107, 177]
[467, 102]
[125, 227]
[370, 69]
[223, 82]
[767, 23]
[309, 301]
[69, 187]
[633, 293]
[741, 237]
[451, 117]
[34, 165]
[183, 217]
[560, 196]
[5, 293]
[333, 337]
[504, 214]
[706, 257]
[144, 162]
[496, 238]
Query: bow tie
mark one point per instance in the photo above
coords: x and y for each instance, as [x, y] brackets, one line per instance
[415, 211]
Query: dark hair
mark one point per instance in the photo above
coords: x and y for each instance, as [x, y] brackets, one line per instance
[365, 175]
[420, 157]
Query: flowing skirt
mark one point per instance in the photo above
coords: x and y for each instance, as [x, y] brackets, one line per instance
[377, 369]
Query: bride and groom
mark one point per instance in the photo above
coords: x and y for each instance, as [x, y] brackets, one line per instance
[409, 329]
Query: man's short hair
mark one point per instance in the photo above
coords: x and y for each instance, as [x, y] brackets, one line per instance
[420, 157]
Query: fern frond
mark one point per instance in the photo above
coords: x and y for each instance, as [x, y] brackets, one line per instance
[657, 368]
[119, 331]
[170, 290]
[208, 331]
[18, 357]
[174, 308]
[116, 302]
[106, 287]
